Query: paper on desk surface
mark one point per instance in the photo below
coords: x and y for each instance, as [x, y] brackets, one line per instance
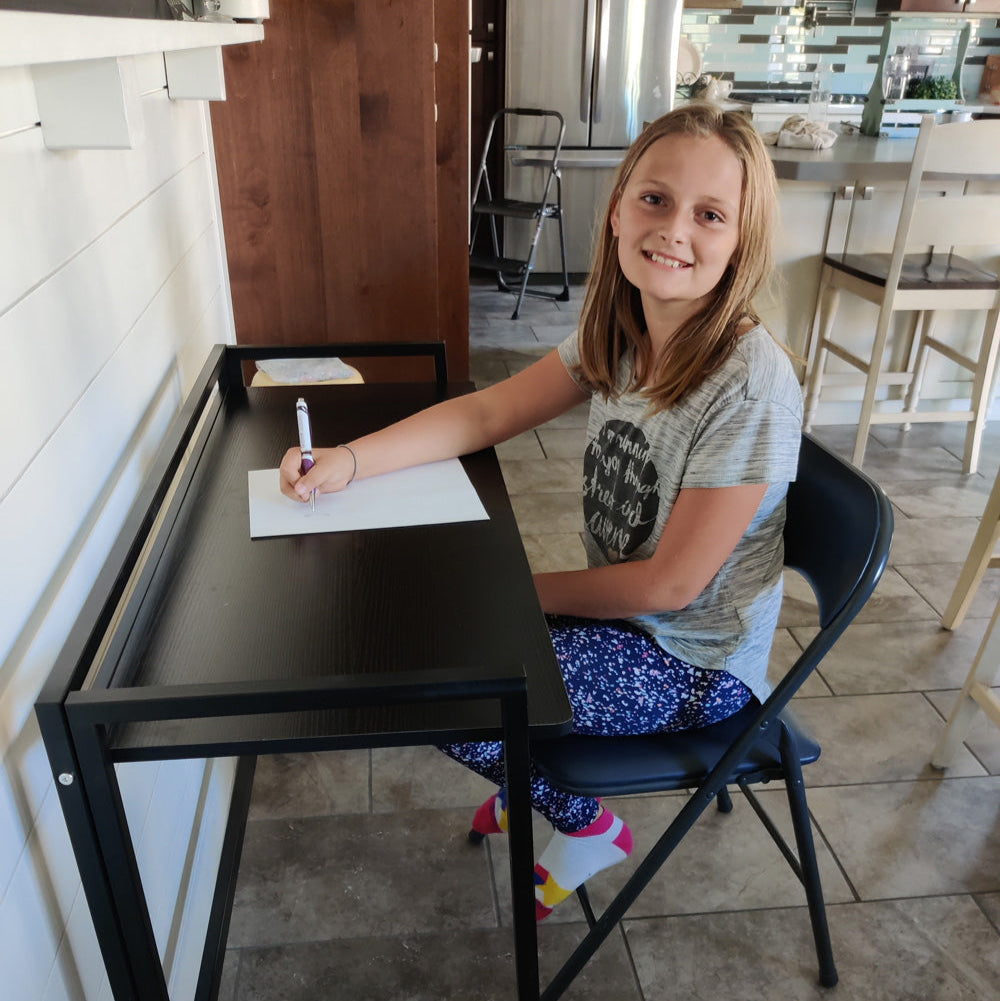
[431, 494]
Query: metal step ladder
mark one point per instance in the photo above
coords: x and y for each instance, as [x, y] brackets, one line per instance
[489, 202]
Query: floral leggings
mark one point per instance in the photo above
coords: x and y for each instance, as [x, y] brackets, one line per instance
[619, 682]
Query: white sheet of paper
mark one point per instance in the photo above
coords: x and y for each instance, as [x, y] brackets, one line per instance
[431, 494]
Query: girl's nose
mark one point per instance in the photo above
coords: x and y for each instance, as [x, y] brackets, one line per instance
[673, 229]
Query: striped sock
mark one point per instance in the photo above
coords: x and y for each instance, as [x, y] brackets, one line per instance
[571, 859]
[491, 817]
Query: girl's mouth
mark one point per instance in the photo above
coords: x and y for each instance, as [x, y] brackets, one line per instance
[669, 262]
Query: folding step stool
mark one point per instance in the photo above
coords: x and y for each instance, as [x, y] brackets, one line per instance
[512, 273]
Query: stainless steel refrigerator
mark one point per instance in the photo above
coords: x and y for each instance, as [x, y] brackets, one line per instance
[608, 66]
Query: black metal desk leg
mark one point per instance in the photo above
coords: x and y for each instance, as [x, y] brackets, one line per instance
[97, 775]
[522, 866]
[80, 824]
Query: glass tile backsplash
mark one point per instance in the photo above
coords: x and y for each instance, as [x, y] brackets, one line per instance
[768, 48]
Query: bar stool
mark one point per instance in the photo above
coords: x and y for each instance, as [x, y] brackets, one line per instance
[976, 693]
[922, 274]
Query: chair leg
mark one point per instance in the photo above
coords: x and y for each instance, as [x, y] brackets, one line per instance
[982, 673]
[976, 563]
[829, 300]
[795, 789]
[919, 364]
[871, 383]
[982, 390]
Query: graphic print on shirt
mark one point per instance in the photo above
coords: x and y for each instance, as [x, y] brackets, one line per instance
[620, 495]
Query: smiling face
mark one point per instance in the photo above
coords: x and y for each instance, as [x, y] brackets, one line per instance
[677, 224]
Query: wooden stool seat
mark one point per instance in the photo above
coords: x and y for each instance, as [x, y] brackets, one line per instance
[919, 271]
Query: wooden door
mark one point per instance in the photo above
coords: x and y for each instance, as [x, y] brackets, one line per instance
[339, 191]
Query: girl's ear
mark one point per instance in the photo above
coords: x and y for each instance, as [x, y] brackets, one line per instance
[615, 215]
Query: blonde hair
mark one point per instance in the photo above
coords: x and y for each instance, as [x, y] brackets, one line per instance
[612, 323]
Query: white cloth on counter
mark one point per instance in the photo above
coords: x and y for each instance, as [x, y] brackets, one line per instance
[797, 132]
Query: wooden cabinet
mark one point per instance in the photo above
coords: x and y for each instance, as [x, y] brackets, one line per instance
[344, 201]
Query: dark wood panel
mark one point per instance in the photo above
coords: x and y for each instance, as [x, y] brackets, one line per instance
[332, 173]
[452, 91]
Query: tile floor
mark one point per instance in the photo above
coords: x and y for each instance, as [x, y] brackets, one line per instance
[357, 882]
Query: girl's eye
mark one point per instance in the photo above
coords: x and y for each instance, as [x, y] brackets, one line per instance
[713, 216]
[652, 199]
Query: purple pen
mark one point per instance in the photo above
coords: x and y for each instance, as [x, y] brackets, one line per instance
[305, 443]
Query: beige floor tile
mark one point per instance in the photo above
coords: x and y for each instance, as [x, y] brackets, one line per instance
[937, 582]
[872, 658]
[385, 874]
[945, 497]
[889, 465]
[547, 514]
[725, 862]
[983, 739]
[418, 778]
[552, 553]
[990, 904]
[940, 949]
[876, 738]
[931, 540]
[909, 839]
[524, 446]
[470, 964]
[564, 443]
[310, 785]
[541, 476]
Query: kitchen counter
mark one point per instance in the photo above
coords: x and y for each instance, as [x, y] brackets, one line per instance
[850, 158]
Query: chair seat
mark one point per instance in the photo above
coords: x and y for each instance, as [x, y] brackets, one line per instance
[920, 271]
[609, 766]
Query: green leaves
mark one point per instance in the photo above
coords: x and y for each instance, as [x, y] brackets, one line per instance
[932, 88]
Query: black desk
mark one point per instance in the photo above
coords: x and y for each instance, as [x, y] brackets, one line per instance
[198, 641]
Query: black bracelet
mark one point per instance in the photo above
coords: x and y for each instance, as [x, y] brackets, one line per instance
[355, 458]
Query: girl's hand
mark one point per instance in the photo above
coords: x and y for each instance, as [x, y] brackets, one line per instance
[333, 469]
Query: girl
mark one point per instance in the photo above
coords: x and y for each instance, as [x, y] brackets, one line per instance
[693, 434]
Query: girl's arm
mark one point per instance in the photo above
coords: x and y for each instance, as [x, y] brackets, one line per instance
[703, 529]
[449, 429]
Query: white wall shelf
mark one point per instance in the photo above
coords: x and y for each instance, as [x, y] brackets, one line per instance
[29, 39]
[84, 78]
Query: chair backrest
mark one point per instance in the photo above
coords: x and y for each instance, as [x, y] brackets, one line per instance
[838, 529]
[949, 156]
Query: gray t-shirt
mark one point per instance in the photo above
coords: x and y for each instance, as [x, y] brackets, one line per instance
[741, 425]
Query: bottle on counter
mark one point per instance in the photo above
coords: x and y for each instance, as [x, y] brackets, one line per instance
[819, 94]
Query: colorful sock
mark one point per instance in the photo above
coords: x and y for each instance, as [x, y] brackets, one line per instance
[491, 817]
[571, 859]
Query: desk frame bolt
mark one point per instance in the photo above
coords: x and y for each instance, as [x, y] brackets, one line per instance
[66, 779]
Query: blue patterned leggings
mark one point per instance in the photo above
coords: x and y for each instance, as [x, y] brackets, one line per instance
[619, 682]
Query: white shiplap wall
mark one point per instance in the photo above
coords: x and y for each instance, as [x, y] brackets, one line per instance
[112, 289]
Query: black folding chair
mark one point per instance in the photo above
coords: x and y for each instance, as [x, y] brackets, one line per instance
[837, 535]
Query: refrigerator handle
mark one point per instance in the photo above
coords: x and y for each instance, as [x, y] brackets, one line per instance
[587, 58]
[601, 67]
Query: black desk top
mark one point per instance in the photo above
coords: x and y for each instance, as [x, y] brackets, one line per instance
[225, 610]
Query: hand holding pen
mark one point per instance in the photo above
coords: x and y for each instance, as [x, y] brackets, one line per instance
[328, 469]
